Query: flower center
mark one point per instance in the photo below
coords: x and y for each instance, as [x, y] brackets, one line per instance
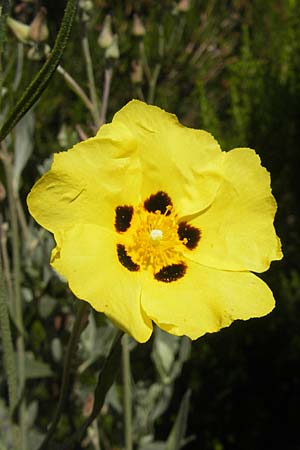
[152, 238]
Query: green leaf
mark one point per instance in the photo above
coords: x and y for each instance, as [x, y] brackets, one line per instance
[176, 437]
[35, 368]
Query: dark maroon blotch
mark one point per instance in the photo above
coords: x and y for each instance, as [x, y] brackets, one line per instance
[158, 202]
[171, 273]
[190, 233]
[126, 260]
[123, 218]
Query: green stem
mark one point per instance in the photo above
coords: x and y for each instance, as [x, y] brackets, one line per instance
[91, 79]
[7, 345]
[79, 324]
[127, 392]
[43, 77]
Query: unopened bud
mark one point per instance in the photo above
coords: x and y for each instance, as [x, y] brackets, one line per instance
[20, 30]
[37, 53]
[86, 5]
[138, 28]
[62, 136]
[113, 52]
[38, 31]
[137, 72]
[183, 5]
[106, 37]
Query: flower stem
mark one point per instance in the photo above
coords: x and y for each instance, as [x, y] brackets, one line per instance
[79, 324]
[127, 392]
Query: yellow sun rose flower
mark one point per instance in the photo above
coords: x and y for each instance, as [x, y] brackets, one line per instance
[154, 223]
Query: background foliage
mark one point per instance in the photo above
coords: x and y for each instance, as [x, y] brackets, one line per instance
[233, 68]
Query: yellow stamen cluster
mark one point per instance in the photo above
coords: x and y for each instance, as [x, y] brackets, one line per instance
[152, 240]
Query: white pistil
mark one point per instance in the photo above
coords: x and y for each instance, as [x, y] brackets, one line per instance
[156, 236]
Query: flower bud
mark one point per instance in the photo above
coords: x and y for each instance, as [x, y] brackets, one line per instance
[62, 136]
[38, 53]
[86, 5]
[138, 28]
[38, 31]
[106, 37]
[113, 52]
[20, 30]
[137, 72]
[183, 5]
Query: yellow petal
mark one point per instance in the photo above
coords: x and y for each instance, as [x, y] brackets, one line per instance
[181, 161]
[87, 258]
[85, 184]
[205, 300]
[237, 231]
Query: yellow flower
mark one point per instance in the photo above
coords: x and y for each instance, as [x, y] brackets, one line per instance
[154, 223]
